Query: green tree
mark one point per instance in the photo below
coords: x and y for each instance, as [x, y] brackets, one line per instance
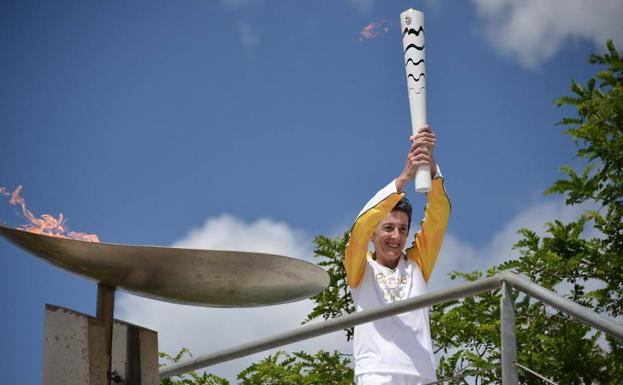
[585, 269]
[192, 377]
[299, 368]
[335, 301]
[281, 368]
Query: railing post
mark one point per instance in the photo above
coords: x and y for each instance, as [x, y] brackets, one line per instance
[509, 338]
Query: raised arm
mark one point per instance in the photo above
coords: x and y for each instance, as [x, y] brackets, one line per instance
[427, 243]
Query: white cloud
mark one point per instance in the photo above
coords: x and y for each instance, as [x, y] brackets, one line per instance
[460, 255]
[226, 232]
[207, 330]
[248, 34]
[249, 37]
[533, 31]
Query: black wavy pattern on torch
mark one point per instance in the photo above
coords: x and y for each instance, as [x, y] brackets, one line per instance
[414, 63]
[422, 75]
[413, 31]
[419, 48]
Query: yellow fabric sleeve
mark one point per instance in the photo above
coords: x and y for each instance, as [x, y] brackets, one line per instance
[360, 235]
[427, 243]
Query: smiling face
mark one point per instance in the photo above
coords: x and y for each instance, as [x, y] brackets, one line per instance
[390, 237]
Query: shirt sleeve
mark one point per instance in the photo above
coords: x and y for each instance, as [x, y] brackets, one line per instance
[427, 243]
[363, 228]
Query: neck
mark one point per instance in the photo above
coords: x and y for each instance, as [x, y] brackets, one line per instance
[390, 264]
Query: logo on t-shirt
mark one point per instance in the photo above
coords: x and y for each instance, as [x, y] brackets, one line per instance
[393, 285]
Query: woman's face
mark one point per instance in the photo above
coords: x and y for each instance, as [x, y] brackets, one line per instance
[390, 237]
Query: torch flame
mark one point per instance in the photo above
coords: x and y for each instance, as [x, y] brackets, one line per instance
[46, 224]
[374, 30]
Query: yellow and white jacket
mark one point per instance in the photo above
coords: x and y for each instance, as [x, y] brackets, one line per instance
[399, 344]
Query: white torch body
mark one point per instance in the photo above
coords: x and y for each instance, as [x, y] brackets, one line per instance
[413, 42]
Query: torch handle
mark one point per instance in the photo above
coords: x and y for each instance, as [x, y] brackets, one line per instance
[412, 25]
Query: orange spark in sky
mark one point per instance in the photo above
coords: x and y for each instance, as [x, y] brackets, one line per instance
[374, 30]
[46, 224]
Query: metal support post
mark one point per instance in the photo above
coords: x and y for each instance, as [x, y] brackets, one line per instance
[509, 338]
[104, 314]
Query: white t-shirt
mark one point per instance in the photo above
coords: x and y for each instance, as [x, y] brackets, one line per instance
[398, 344]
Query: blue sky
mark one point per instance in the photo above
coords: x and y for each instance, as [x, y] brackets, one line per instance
[244, 124]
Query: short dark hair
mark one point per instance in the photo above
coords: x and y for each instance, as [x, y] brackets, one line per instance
[405, 206]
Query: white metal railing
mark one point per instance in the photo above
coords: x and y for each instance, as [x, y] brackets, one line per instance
[504, 280]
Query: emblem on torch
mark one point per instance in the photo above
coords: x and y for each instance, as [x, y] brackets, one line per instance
[412, 26]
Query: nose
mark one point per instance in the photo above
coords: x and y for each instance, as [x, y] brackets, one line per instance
[395, 234]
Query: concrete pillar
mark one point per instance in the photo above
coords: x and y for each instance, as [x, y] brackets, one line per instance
[75, 351]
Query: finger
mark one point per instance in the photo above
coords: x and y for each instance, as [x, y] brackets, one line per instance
[418, 157]
[420, 141]
[423, 135]
[427, 153]
[424, 128]
[417, 149]
[421, 151]
[424, 138]
[424, 143]
[413, 146]
[420, 162]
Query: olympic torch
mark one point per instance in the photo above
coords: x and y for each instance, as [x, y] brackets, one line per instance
[412, 26]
